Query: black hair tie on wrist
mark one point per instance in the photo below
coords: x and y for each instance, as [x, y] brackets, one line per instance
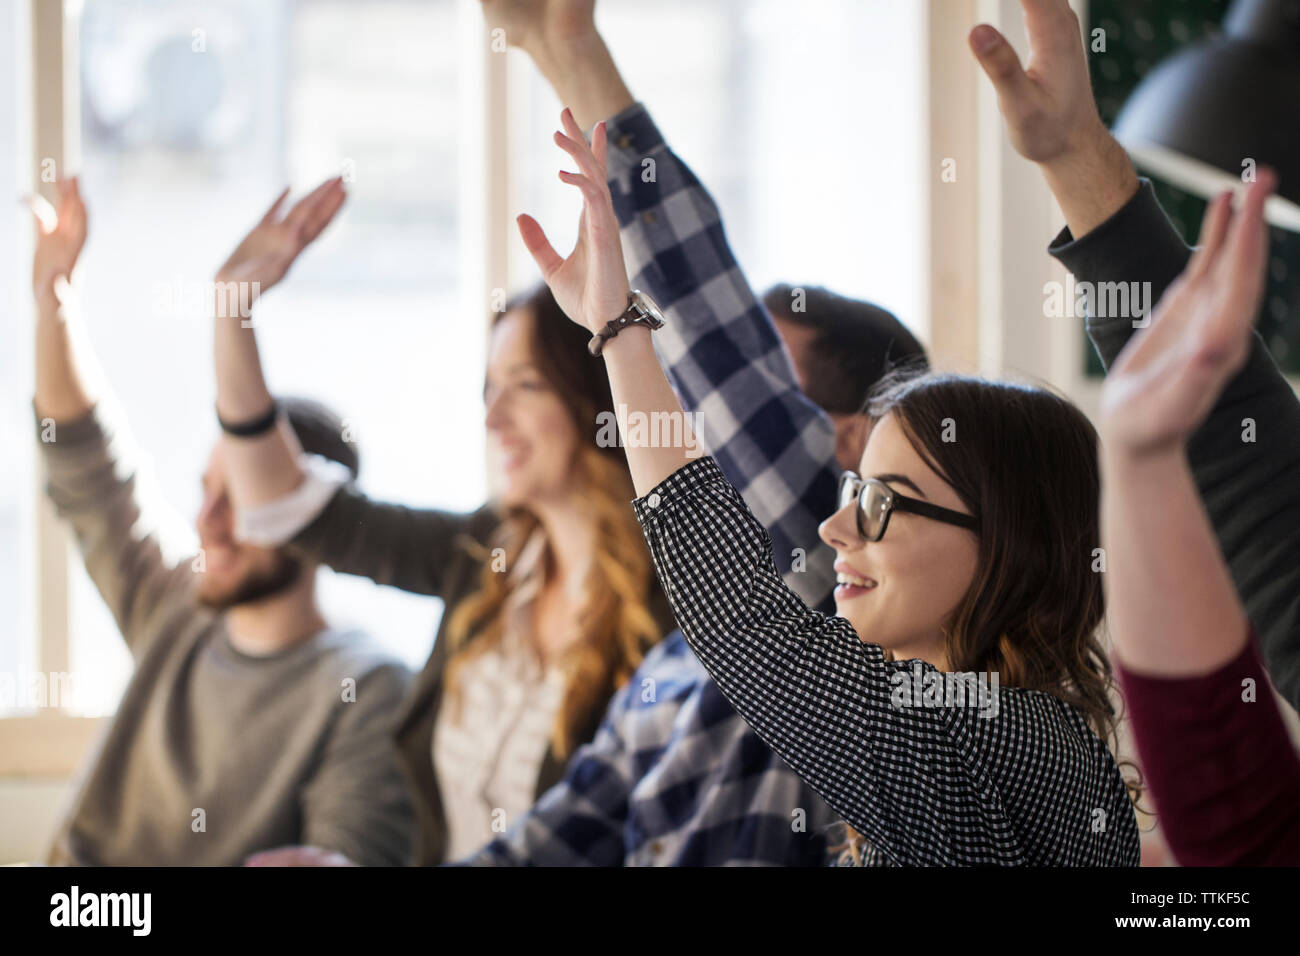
[251, 429]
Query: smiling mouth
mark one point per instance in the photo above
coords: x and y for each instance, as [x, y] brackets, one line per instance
[513, 457]
[842, 577]
[851, 585]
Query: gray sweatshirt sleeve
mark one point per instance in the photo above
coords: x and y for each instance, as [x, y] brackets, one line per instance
[1246, 457]
[134, 546]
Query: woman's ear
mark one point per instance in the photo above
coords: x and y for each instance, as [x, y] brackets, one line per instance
[851, 434]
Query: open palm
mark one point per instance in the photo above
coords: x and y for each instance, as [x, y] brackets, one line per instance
[591, 284]
[1048, 104]
[60, 236]
[266, 253]
[1169, 376]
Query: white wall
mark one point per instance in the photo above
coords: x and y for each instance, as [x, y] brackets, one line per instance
[36, 803]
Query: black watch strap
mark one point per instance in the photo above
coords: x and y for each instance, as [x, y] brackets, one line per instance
[253, 427]
[632, 315]
[611, 329]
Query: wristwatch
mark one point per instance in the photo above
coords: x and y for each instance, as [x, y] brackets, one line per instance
[641, 310]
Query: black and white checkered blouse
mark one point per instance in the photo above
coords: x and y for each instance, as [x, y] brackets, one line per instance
[924, 785]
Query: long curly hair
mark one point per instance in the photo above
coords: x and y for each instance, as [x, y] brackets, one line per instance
[616, 622]
[1025, 461]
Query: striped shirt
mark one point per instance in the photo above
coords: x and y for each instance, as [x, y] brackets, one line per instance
[490, 740]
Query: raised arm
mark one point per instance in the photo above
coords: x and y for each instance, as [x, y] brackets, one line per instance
[591, 285]
[1222, 769]
[815, 693]
[1172, 606]
[1246, 451]
[1051, 117]
[280, 499]
[66, 376]
[560, 36]
[262, 467]
[1052, 120]
[131, 541]
[720, 348]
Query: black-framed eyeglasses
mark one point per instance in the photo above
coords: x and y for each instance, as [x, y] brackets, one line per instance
[877, 501]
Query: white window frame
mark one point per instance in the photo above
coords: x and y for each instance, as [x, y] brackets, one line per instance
[989, 230]
[985, 230]
[52, 742]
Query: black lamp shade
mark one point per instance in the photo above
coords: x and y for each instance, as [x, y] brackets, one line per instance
[1198, 117]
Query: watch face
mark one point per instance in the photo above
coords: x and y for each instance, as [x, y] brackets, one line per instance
[651, 310]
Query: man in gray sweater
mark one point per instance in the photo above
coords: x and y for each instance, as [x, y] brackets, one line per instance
[248, 722]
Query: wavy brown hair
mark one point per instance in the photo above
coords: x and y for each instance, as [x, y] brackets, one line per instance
[1024, 461]
[616, 623]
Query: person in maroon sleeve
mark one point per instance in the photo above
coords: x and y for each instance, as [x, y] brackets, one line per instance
[1221, 768]
[1117, 232]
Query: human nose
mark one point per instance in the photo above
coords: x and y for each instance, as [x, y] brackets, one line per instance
[840, 530]
[495, 410]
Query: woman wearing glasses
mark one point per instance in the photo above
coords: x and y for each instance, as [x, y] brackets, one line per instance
[970, 548]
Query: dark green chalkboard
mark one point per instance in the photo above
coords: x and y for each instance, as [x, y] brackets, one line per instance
[1139, 34]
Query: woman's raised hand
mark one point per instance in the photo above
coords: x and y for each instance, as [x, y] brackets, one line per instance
[591, 284]
[1169, 376]
[264, 255]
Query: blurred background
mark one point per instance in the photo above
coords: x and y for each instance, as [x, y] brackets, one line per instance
[820, 126]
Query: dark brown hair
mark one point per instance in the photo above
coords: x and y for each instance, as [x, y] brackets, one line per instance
[321, 431]
[1024, 461]
[855, 344]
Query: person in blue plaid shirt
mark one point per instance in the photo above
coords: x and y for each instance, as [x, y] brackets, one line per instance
[674, 776]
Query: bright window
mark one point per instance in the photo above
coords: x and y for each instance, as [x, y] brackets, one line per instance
[194, 113]
[17, 497]
[814, 189]
[193, 117]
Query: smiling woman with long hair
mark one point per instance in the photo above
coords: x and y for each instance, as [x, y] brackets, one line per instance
[945, 563]
[1011, 592]
[549, 596]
